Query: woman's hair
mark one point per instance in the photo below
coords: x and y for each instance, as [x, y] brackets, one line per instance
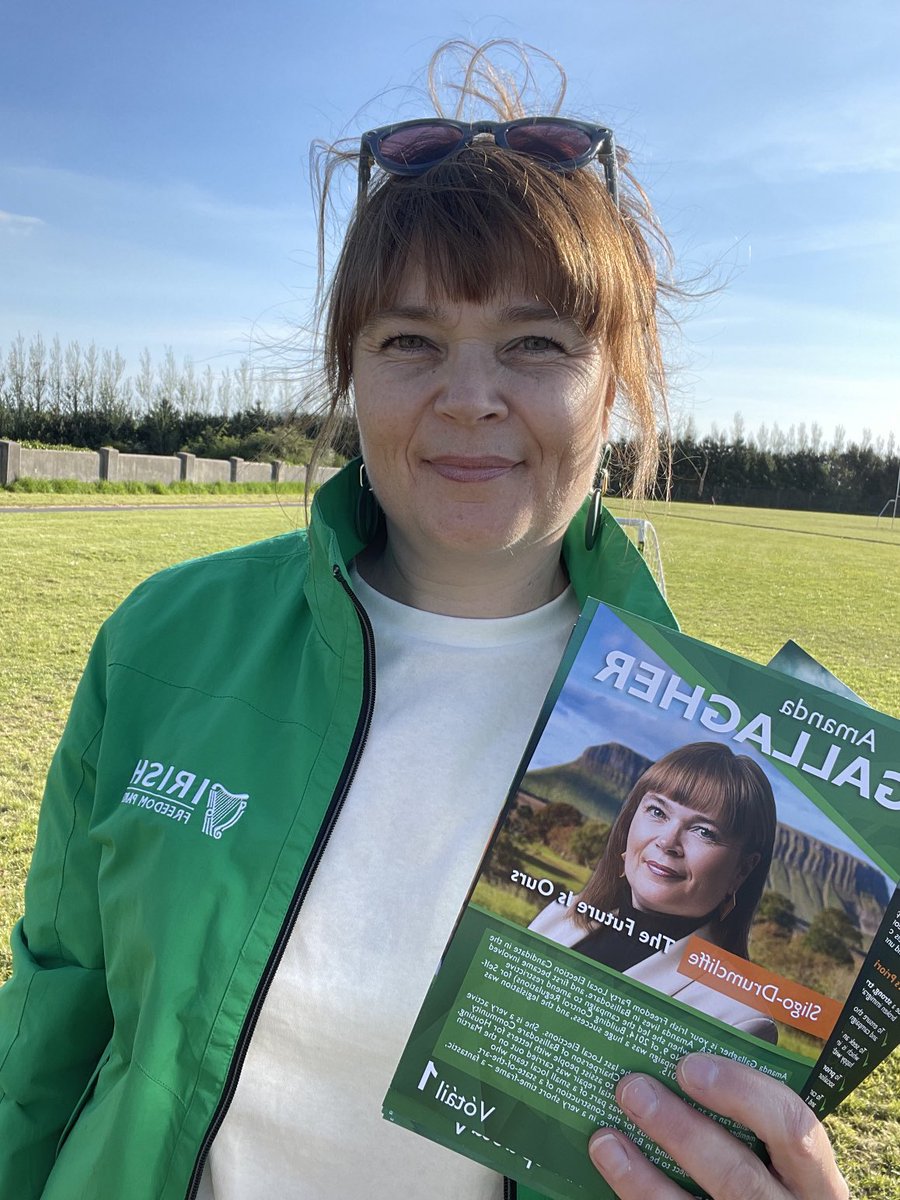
[485, 218]
[708, 777]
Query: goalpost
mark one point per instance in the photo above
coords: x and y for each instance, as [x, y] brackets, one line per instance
[648, 545]
[892, 504]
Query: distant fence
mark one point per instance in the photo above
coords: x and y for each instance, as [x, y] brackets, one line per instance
[92, 466]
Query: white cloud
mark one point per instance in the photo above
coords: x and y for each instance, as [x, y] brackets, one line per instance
[139, 210]
[855, 133]
[16, 224]
[848, 130]
[850, 235]
[794, 322]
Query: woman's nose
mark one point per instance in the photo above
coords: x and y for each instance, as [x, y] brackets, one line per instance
[469, 390]
[669, 839]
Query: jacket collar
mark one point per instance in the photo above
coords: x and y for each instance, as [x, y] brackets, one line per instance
[332, 531]
[614, 571]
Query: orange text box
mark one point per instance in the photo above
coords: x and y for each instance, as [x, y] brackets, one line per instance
[768, 993]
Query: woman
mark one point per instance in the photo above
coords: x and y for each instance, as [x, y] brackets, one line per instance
[689, 853]
[249, 859]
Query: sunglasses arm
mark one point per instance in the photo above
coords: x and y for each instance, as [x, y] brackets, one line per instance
[611, 169]
[364, 172]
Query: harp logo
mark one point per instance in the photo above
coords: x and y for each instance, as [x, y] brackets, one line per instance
[223, 809]
[177, 794]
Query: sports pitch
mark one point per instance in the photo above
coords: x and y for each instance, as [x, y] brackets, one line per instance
[744, 579]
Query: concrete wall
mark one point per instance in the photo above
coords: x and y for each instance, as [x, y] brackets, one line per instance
[289, 473]
[212, 470]
[149, 468]
[252, 472]
[89, 466]
[59, 464]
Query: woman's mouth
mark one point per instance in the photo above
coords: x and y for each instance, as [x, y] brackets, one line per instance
[479, 469]
[661, 871]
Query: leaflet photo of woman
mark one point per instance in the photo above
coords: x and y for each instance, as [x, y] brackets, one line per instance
[689, 853]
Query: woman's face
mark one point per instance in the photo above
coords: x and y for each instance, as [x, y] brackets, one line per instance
[680, 861]
[480, 424]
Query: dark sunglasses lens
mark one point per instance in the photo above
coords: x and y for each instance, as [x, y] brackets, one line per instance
[548, 141]
[419, 145]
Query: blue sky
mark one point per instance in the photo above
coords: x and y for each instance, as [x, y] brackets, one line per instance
[154, 190]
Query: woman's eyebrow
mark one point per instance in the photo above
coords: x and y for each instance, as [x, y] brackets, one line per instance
[537, 311]
[658, 797]
[405, 312]
[705, 819]
[511, 315]
[697, 815]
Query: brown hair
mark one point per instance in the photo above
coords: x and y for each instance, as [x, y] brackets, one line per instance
[486, 217]
[708, 777]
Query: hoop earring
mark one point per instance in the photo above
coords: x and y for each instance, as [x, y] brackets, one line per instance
[726, 908]
[592, 526]
[368, 516]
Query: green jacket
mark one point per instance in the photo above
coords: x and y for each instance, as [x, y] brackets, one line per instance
[213, 736]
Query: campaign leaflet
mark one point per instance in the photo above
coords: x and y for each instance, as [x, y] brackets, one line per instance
[697, 853]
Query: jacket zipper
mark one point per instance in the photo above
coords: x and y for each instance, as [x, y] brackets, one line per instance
[357, 745]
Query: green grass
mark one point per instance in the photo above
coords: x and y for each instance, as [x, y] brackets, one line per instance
[522, 905]
[40, 500]
[747, 579]
[132, 487]
[744, 579]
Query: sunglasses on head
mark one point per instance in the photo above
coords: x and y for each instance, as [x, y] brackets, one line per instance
[562, 144]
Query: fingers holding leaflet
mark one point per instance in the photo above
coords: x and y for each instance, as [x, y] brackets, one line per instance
[626, 1170]
[721, 1164]
[803, 1166]
[798, 1145]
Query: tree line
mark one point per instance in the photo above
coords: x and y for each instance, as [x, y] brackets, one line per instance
[80, 396]
[773, 468]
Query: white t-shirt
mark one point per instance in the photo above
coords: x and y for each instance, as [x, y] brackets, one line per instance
[455, 702]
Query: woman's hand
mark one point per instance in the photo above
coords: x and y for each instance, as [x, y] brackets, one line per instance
[802, 1163]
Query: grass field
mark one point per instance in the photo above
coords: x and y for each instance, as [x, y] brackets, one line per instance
[745, 579]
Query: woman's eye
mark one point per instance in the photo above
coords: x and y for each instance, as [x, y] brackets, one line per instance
[534, 344]
[655, 811]
[707, 834]
[404, 341]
